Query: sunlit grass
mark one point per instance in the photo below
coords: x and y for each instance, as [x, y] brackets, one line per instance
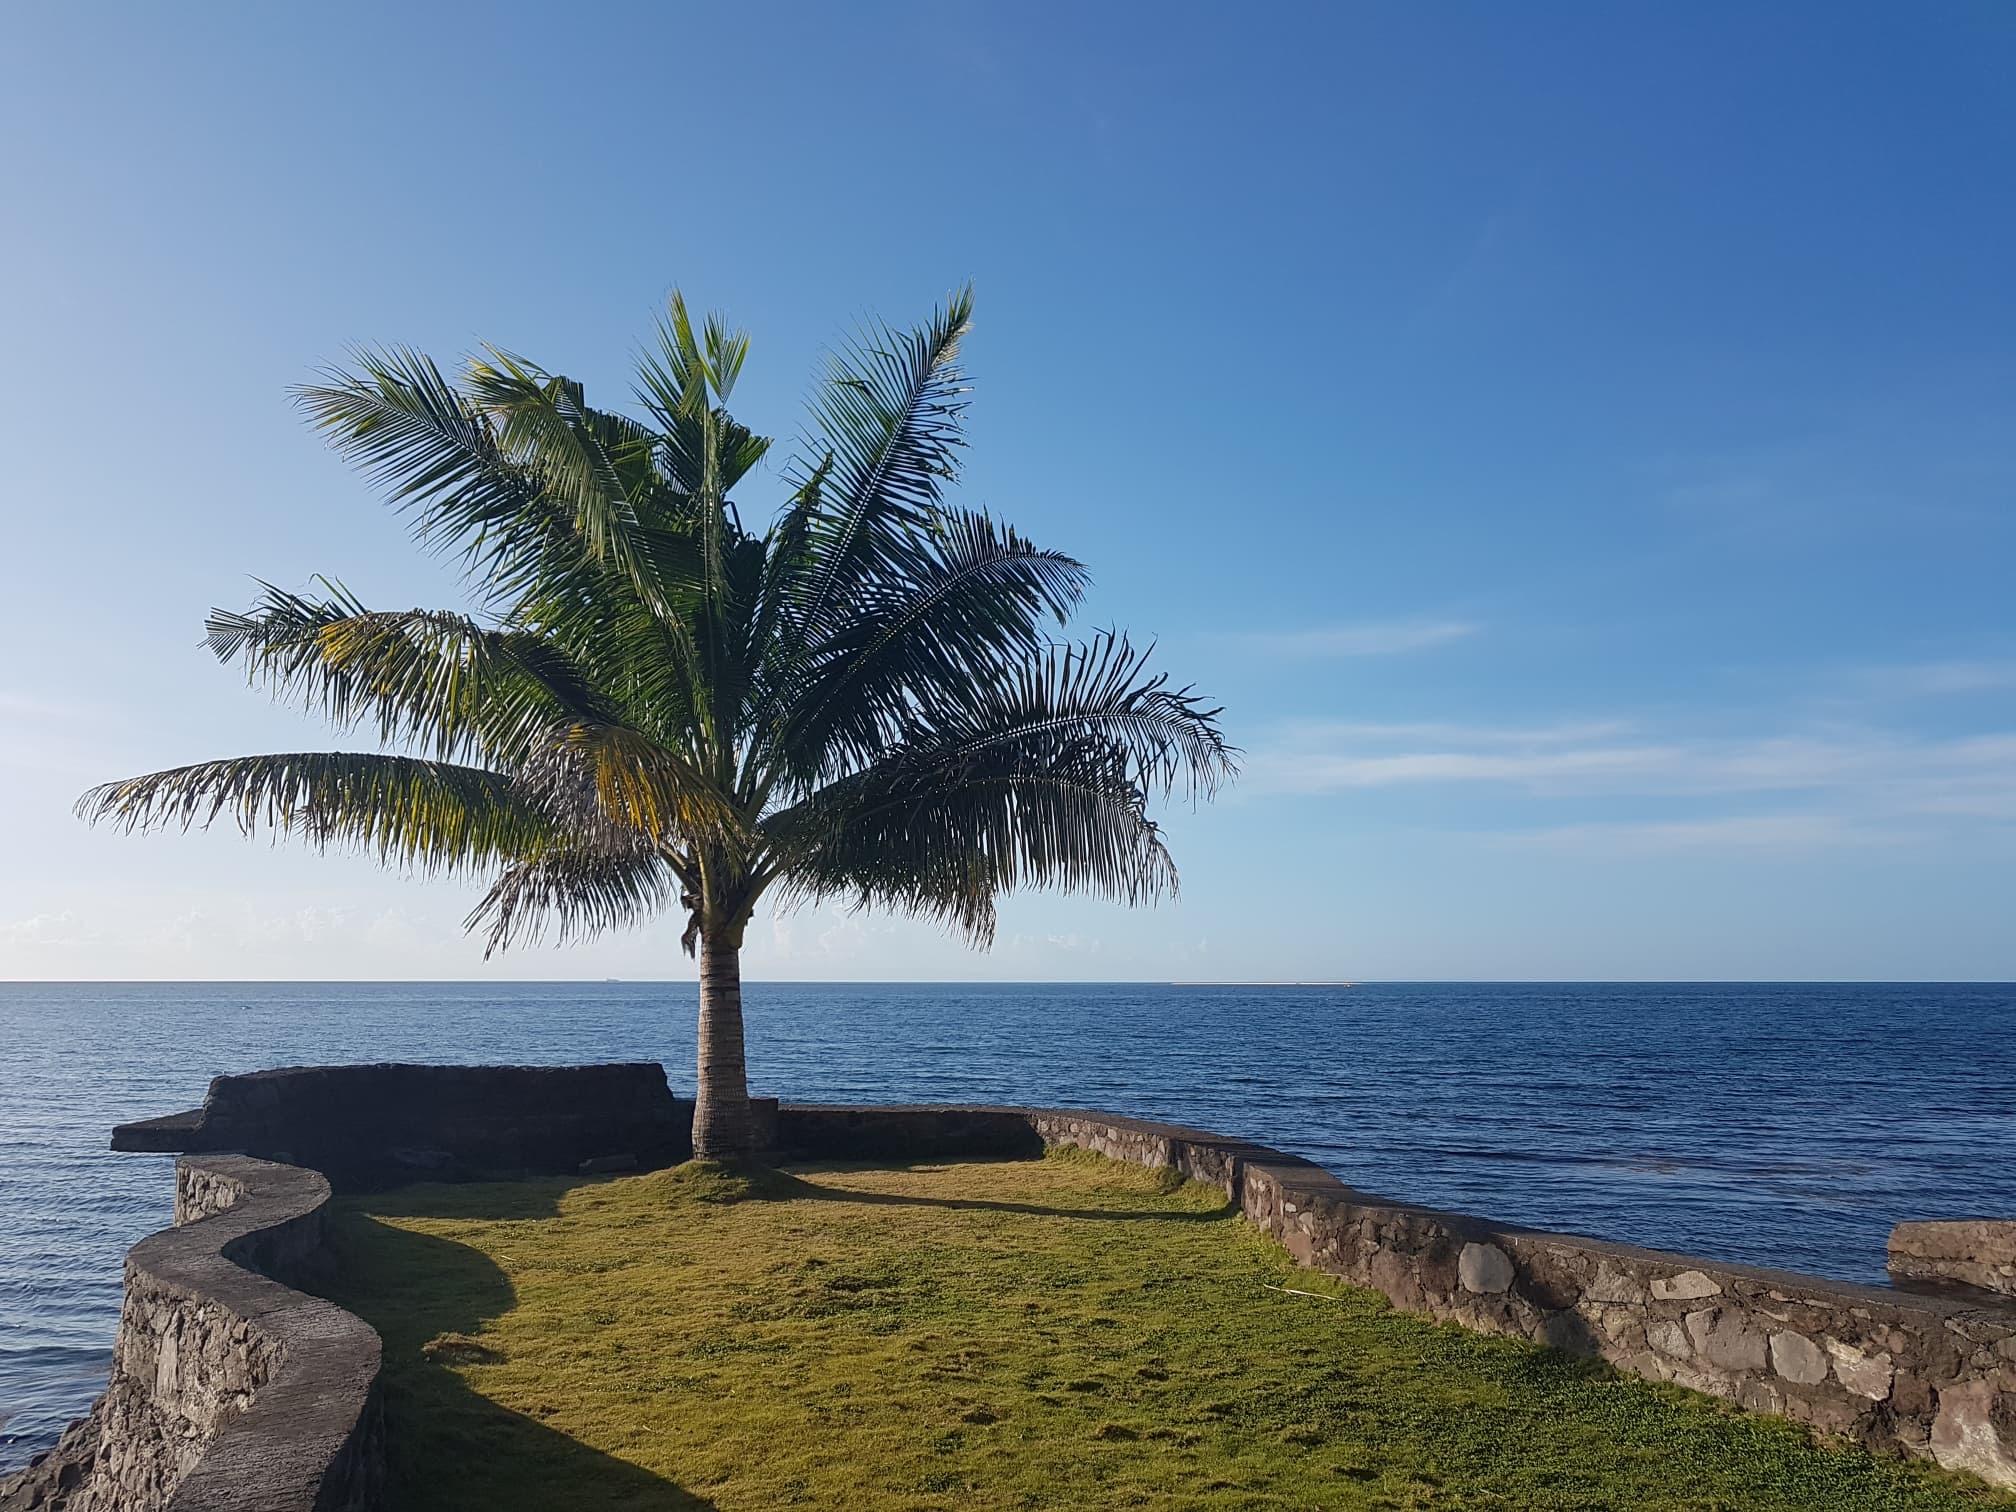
[1063, 1332]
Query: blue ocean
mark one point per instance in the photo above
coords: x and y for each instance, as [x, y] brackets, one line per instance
[1776, 1124]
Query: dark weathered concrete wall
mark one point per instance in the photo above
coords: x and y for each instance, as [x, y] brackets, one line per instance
[382, 1125]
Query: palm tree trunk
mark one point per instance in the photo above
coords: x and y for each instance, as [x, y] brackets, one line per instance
[722, 1126]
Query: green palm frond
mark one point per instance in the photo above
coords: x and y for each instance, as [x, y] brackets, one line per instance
[430, 815]
[595, 466]
[942, 837]
[1100, 691]
[573, 893]
[689, 377]
[529, 495]
[1038, 776]
[426, 678]
[639, 786]
[411, 432]
[970, 611]
[889, 417]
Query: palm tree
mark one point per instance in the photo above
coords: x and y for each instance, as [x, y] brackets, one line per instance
[655, 705]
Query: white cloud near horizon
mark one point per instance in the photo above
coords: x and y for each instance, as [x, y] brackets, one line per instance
[1372, 638]
[60, 929]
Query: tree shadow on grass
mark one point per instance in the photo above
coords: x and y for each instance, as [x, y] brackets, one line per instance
[450, 1448]
[504, 1199]
[540, 1197]
[791, 1184]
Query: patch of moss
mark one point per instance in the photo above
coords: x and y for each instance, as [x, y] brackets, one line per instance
[721, 1182]
[459, 1349]
[1054, 1333]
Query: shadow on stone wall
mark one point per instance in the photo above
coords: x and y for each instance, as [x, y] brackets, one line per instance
[429, 1298]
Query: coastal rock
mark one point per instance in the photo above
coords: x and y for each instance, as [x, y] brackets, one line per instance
[1726, 1341]
[1798, 1359]
[1614, 1286]
[1688, 1286]
[50, 1480]
[1964, 1435]
[1484, 1268]
[1669, 1338]
[1867, 1375]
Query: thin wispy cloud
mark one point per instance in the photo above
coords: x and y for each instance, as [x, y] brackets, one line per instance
[1845, 480]
[1374, 638]
[1939, 679]
[16, 705]
[1867, 771]
[1336, 732]
[48, 929]
[1762, 834]
[51, 735]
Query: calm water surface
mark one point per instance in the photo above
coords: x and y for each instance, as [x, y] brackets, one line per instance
[1781, 1125]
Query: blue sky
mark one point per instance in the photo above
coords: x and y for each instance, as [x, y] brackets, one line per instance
[1574, 440]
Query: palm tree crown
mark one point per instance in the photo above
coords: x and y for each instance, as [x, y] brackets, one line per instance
[655, 704]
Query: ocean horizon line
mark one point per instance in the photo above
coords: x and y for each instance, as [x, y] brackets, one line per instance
[1186, 983]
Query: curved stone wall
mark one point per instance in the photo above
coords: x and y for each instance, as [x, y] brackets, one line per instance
[1928, 1375]
[230, 1391]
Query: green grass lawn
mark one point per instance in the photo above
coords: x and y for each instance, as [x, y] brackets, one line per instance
[1063, 1332]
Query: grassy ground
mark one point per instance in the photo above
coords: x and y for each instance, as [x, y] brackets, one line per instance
[1063, 1332]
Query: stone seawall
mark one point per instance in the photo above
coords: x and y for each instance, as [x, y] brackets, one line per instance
[1926, 1375]
[229, 1390]
[232, 1393]
[1974, 1252]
